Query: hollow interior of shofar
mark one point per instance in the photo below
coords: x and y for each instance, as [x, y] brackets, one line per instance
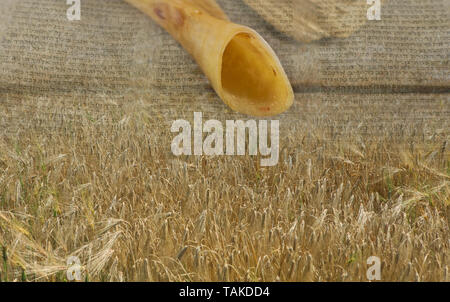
[250, 74]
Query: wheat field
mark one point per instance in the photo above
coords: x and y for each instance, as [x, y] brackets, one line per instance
[354, 181]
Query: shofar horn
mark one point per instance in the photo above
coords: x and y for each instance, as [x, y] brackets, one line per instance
[242, 68]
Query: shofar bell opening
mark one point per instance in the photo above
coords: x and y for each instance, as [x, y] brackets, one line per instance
[240, 65]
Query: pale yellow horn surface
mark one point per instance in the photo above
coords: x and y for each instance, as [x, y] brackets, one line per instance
[240, 65]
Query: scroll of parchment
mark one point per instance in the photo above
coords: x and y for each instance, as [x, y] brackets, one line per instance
[240, 65]
[310, 20]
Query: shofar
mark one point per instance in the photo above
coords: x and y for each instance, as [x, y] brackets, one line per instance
[240, 65]
[310, 20]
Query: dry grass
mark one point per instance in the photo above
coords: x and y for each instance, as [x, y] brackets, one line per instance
[116, 197]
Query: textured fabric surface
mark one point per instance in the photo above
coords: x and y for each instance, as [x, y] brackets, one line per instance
[116, 56]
